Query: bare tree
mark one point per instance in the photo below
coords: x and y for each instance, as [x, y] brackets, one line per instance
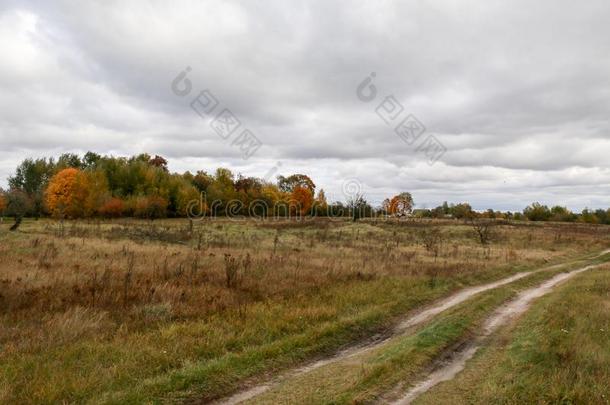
[432, 239]
[484, 229]
[358, 207]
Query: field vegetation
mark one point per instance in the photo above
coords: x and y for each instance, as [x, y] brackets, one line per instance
[129, 310]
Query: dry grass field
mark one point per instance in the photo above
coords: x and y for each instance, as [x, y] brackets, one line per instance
[145, 311]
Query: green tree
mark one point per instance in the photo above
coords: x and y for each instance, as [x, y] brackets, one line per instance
[562, 214]
[69, 160]
[32, 177]
[91, 160]
[288, 184]
[202, 180]
[18, 205]
[588, 217]
[461, 211]
[537, 212]
[602, 216]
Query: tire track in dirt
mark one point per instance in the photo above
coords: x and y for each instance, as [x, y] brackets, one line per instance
[457, 361]
[414, 320]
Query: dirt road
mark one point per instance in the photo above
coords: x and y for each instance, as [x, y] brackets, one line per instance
[502, 316]
[457, 362]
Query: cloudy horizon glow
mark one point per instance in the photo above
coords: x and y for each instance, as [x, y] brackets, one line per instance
[518, 93]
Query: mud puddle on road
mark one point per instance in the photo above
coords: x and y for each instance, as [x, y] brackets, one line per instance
[502, 316]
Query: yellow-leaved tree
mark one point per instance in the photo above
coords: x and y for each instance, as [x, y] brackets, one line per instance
[72, 193]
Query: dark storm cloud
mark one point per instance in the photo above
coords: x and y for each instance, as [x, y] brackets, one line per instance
[518, 92]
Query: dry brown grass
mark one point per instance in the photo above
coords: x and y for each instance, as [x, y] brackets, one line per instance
[122, 267]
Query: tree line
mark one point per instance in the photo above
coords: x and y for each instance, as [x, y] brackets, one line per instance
[533, 212]
[141, 186]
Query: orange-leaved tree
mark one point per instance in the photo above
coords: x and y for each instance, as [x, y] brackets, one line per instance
[3, 203]
[401, 204]
[72, 193]
[302, 197]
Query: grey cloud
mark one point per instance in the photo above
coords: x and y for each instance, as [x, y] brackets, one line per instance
[518, 92]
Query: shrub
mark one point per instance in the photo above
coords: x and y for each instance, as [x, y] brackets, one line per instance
[113, 208]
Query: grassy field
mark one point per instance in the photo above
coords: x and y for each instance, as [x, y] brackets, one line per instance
[135, 311]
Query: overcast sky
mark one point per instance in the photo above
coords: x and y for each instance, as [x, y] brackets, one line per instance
[517, 92]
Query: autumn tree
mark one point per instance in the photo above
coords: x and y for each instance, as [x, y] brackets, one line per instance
[221, 190]
[61, 195]
[270, 197]
[201, 180]
[141, 185]
[321, 204]
[401, 204]
[179, 193]
[160, 162]
[321, 198]
[288, 184]
[2, 202]
[95, 187]
[303, 198]
[73, 193]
